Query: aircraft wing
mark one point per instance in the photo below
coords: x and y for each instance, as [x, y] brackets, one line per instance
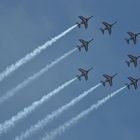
[109, 30]
[131, 34]
[82, 41]
[135, 85]
[82, 18]
[135, 63]
[86, 48]
[131, 57]
[131, 79]
[134, 40]
[105, 24]
[86, 76]
[82, 70]
[86, 25]
[106, 76]
[110, 82]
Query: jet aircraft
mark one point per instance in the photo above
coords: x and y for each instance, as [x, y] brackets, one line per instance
[108, 27]
[133, 59]
[84, 73]
[133, 37]
[84, 44]
[133, 82]
[108, 79]
[84, 21]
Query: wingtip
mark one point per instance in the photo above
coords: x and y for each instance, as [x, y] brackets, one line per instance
[116, 73]
[115, 22]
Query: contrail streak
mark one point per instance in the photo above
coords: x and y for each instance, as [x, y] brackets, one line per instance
[31, 55]
[33, 77]
[62, 128]
[8, 124]
[54, 114]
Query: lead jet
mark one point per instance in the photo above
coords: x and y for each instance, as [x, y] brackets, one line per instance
[84, 21]
[133, 59]
[108, 79]
[108, 27]
[133, 82]
[84, 44]
[84, 73]
[133, 37]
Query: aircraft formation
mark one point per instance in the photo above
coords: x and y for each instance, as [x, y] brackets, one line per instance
[132, 59]
[108, 79]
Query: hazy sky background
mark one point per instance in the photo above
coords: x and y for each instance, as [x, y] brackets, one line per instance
[26, 24]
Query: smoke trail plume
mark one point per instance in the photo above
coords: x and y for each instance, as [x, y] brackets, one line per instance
[54, 114]
[31, 55]
[33, 77]
[8, 124]
[62, 128]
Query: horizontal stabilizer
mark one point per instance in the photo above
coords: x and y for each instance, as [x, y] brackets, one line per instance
[128, 63]
[78, 77]
[103, 83]
[102, 30]
[127, 40]
[128, 86]
[78, 24]
[79, 48]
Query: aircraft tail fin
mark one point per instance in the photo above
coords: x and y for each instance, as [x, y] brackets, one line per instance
[102, 30]
[78, 77]
[128, 63]
[78, 24]
[103, 83]
[127, 40]
[128, 86]
[79, 48]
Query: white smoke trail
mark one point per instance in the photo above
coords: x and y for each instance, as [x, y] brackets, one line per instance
[8, 124]
[33, 77]
[62, 128]
[31, 55]
[54, 114]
